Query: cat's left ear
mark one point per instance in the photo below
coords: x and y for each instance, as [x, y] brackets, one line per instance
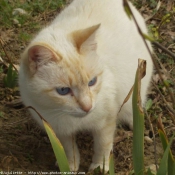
[38, 56]
[85, 38]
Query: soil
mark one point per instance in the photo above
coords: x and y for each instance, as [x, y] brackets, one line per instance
[25, 148]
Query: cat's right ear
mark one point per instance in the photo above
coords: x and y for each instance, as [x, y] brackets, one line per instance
[38, 56]
[85, 37]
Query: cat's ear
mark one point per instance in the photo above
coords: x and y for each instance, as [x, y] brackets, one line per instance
[38, 56]
[85, 37]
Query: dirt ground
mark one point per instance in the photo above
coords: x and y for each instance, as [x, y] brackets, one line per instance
[25, 149]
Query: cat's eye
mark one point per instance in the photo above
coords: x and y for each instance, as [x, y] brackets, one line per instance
[93, 81]
[63, 90]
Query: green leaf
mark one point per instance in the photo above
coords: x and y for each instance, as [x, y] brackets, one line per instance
[148, 37]
[1, 172]
[2, 115]
[10, 80]
[57, 148]
[165, 17]
[171, 161]
[138, 121]
[1, 69]
[127, 9]
[97, 170]
[149, 172]
[148, 104]
[166, 83]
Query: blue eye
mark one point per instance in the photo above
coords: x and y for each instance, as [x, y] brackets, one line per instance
[93, 81]
[63, 90]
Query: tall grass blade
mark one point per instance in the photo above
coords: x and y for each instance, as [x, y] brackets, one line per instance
[57, 148]
[127, 8]
[138, 121]
[56, 145]
[103, 170]
[163, 168]
[171, 161]
[10, 80]
[111, 164]
[149, 172]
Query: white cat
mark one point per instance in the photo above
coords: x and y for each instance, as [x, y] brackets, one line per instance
[77, 71]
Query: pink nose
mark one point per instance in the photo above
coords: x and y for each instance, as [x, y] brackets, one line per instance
[86, 107]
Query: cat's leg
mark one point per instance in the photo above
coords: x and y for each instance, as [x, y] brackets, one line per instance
[103, 143]
[72, 152]
[125, 116]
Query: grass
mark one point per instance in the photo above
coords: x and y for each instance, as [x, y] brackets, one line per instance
[21, 17]
[10, 79]
[24, 36]
[31, 8]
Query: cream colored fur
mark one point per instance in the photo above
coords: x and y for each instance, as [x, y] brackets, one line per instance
[89, 38]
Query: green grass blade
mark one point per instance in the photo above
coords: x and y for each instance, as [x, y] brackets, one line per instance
[171, 161]
[127, 8]
[148, 37]
[10, 80]
[111, 164]
[148, 105]
[163, 168]
[149, 172]
[103, 170]
[9, 75]
[57, 148]
[138, 121]
[1, 172]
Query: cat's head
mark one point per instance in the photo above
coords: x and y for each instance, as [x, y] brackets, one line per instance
[69, 80]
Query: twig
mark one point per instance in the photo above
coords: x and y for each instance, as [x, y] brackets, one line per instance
[164, 49]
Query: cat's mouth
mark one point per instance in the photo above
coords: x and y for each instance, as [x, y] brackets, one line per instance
[81, 114]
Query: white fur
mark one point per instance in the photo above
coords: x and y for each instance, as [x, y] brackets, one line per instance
[118, 48]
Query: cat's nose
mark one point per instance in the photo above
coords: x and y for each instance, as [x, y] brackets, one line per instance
[85, 102]
[86, 107]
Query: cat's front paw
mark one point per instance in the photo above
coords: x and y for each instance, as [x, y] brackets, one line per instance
[95, 165]
[73, 166]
